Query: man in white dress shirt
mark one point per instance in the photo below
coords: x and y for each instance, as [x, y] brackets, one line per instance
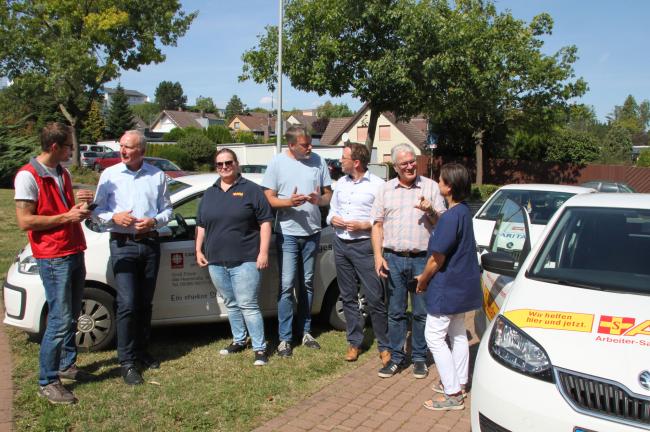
[349, 214]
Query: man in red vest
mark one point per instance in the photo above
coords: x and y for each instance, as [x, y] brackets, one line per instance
[45, 208]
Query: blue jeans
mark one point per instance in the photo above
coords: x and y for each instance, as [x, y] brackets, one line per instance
[239, 285]
[401, 270]
[295, 252]
[135, 268]
[63, 279]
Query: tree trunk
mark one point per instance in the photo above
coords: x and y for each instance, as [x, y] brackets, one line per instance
[478, 141]
[76, 157]
[372, 127]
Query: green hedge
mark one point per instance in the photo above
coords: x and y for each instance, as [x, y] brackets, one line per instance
[172, 152]
[644, 158]
[482, 192]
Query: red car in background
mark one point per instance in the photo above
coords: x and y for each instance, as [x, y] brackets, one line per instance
[106, 159]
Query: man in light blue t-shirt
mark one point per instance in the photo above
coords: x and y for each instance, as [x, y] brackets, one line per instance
[297, 183]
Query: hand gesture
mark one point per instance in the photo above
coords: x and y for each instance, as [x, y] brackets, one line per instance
[262, 261]
[424, 205]
[77, 213]
[381, 267]
[314, 197]
[352, 226]
[85, 195]
[144, 225]
[296, 198]
[338, 222]
[200, 259]
[124, 219]
[421, 286]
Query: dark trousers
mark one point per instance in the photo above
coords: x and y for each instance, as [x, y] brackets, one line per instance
[354, 260]
[135, 266]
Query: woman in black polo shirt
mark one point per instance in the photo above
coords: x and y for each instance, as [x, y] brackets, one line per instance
[232, 239]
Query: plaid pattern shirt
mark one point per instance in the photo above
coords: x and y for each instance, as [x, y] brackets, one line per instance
[406, 228]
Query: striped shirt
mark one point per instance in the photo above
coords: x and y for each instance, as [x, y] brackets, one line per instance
[406, 228]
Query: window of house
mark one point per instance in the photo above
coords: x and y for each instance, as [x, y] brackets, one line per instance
[362, 133]
[384, 133]
[236, 125]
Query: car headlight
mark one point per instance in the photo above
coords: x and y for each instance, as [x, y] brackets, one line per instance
[28, 265]
[514, 349]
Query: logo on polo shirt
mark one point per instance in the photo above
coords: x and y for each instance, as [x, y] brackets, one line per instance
[238, 194]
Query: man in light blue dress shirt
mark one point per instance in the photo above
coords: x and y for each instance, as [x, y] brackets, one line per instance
[349, 214]
[133, 201]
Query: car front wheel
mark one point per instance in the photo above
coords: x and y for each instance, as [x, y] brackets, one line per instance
[96, 324]
[334, 308]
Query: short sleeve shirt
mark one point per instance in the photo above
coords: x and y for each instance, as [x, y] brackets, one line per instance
[286, 175]
[231, 220]
[455, 288]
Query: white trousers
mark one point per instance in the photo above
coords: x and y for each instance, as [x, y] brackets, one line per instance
[453, 366]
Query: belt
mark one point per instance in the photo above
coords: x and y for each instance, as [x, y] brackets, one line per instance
[353, 240]
[414, 254]
[134, 237]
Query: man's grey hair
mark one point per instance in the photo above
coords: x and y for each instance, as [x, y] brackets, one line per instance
[141, 140]
[294, 132]
[399, 148]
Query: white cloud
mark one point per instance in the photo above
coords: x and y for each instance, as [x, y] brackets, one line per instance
[267, 100]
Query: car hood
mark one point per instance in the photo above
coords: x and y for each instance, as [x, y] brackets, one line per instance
[599, 333]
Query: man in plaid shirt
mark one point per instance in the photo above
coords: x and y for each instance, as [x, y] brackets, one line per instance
[404, 215]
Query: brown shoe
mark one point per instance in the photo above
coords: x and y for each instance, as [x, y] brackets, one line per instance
[385, 357]
[352, 354]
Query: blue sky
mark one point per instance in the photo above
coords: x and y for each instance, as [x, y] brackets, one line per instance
[612, 39]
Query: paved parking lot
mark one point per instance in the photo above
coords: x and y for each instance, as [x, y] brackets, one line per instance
[361, 401]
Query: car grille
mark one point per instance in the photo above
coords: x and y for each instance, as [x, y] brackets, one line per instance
[597, 397]
[488, 425]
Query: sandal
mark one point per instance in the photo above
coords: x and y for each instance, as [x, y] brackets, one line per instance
[438, 388]
[449, 403]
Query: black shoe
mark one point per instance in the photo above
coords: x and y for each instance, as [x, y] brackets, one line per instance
[233, 348]
[389, 370]
[131, 375]
[420, 369]
[148, 361]
[284, 349]
[260, 358]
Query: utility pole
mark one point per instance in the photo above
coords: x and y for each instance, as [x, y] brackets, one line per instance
[278, 129]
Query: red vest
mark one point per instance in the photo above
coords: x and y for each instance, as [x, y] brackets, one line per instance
[62, 240]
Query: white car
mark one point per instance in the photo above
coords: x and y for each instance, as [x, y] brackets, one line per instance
[540, 200]
[569, 349]
[184, 293]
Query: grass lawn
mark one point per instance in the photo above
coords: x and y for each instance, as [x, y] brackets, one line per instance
[195, 389]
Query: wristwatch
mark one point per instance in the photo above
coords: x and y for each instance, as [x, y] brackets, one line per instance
[155, 223]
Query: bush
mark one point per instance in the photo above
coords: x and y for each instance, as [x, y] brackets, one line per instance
[172, 152]
[482, 192]
[199, 148]
[15, 152]
[219, 134]
[245, 137]
[176, 134]
[573, 146]
[644, 158]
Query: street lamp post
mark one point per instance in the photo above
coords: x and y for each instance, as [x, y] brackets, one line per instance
[278, 129]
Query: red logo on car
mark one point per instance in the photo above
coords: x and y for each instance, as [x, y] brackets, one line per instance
[614, 325]
[177, 261]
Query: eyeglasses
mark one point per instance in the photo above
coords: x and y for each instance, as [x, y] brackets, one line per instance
[224, 164]
[407, 164]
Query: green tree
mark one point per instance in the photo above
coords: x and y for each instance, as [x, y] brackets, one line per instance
[177, 133]
[235, 106]
[94, 126]
[15, 151]
[169, 96]
[633, 117]
[574, 146]
[120, 116]
[245, 137]
[644, 158]
[617, 146]
[75, 47]
[199, 147]
[330, 110]
[483, 72]
[205, 104]
[339, 47]
[218, 134]
[27, 98]
[147, 111]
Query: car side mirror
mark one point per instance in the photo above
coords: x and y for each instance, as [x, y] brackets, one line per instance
[500, 263]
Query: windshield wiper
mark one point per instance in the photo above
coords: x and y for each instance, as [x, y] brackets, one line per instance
[567, 282]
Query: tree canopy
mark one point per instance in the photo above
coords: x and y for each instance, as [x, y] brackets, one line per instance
[330, 110]
[169, 96]
[205, 104]
[234, 107]
[120, 116]
[76, 46]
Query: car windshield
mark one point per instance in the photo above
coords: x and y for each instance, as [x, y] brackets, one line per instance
[174, 185]
[163, 164]
[252, 169]
[541, 205]
[89, 154]
[597, 248]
